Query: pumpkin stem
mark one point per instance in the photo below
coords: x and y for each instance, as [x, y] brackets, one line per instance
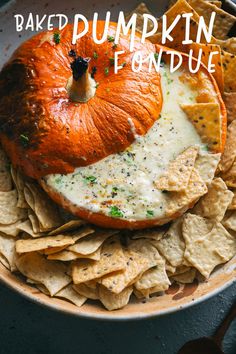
[81, 86]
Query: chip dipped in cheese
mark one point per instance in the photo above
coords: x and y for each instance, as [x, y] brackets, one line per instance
[122, 190]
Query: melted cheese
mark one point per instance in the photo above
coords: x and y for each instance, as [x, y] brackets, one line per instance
[121, 185]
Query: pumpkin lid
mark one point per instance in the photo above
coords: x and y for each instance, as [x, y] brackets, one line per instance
[62, 106]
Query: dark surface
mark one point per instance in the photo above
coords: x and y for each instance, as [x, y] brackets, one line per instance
[26, 328]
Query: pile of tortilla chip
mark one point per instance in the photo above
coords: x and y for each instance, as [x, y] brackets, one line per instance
[222, 41]
[67, 258]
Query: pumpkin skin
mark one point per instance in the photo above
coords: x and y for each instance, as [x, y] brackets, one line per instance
[61, 134]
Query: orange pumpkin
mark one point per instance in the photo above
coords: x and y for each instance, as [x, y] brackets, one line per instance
[45, 130]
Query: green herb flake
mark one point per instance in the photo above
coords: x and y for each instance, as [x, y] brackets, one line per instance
[106, 71]
[24, 139]
[156, 55]
[97, 84]
[112, 61]
[205, 148]
[150, 213]
[115, 212]
[56, 37]
[91, 179]
[114, 46]
[95, 55]
[58, 180]
[124, 64]
[110, 39]
[115, 189]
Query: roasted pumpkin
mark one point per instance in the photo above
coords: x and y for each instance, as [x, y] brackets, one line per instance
[45, 129]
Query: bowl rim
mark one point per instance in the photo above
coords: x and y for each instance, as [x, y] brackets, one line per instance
[22, 288]
[17, 286]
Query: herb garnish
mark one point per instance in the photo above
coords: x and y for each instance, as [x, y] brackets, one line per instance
[91, 179]
[24, 139]
[115, 212]
[95, 55]
[114, 46]
[156, 55]
[112, 60]
[56, 37]
[106, 71]
[150, 213]
[110, 39]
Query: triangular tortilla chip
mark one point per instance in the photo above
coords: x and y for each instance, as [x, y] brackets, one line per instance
[214, 204]
[216, 60]
[223, 20]
[230, 104]
[140, 10]
[229, 153]
[229, 65]
[207, 121]
[228, 45]
[179, 202]
[179, 171]
[178, 32]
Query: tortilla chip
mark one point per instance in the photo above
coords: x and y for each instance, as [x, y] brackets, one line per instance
[135, 266]
[207, 121]
[169, 268]
[229, 153]
[26, 226]
[112, 260]
[146, 249]
[19, 184]
[206, 249]
[113, 301]
[230, 176]
[7, 250]
[223, 20]
[228, 45]
[216, 60]
[140, 10]
[186, 277]
[9, 213]
[214, 204]
[151, 234]
[172, 245]
[51, 274]
[38, 244]
[154, 277]
[229, 64]
[51, 250]
[12, 229]
[206, 165]
[85, 290]
[232, 205]
[66, 255]
[230, 103]
[181, 201]
[178, 33]
[179, 171]
[70, 294]
[91, 243]
[230, 221]
[45, 210]
[69, 226]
